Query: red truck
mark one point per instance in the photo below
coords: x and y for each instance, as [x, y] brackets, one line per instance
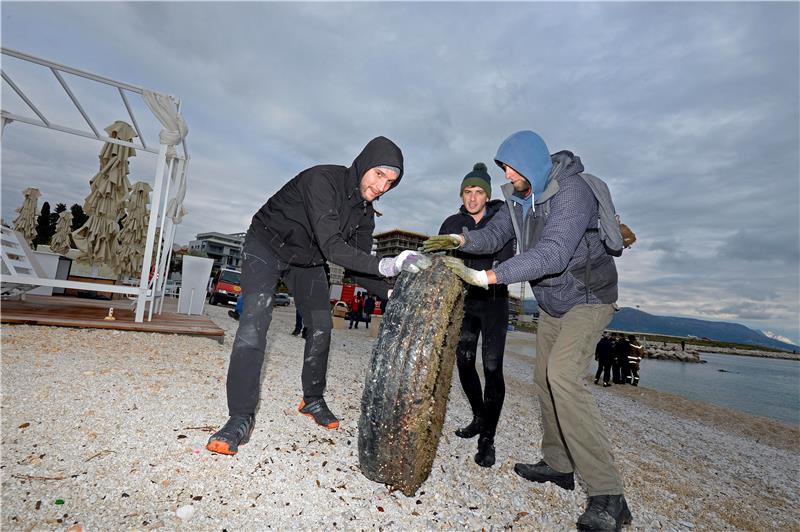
[225, 287]
[347, 293]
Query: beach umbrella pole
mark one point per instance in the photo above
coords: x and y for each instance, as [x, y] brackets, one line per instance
[151, 233]
[158, 281]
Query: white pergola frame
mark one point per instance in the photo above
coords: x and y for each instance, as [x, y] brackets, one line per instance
[175, 169]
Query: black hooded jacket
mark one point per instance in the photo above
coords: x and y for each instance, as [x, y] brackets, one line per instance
[320, 214]
[461, 221]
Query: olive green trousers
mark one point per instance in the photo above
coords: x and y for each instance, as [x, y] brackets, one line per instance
[574, 436]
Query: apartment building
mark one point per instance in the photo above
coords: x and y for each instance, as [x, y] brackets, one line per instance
[225, 249]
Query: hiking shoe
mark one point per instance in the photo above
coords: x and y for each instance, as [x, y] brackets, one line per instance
[485, 455]
[296, 332]
[471, 430]
[318, 410]
[233, 314]
[606, 385]
[605, 512]
[541, 472]
[236, 432]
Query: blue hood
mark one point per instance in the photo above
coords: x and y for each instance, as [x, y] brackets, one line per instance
[526, 152]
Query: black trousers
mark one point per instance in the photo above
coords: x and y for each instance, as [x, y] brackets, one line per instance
[604, 368]
[617, 371]
[489, 319]
[261, 270]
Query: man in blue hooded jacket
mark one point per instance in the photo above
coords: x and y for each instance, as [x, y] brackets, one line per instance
[553, 213]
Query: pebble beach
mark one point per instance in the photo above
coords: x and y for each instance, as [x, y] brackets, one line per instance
[106, 430]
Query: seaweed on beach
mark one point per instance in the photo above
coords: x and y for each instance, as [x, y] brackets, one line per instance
[408, 381]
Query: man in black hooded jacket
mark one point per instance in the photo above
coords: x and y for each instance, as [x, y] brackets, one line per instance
[485, 314]
[324, 214]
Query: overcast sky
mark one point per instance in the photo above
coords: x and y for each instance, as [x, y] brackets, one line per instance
[689, 111]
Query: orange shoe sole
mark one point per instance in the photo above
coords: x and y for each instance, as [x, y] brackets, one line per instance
[334, 425]
[221, 447]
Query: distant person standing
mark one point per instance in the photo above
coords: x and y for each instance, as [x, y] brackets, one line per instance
[683, 345]
[235, 313]
[298, 323]
[369, 308]
[355, 314]
[621, 350]
[604, 352]
[634, 358]
[615, 366]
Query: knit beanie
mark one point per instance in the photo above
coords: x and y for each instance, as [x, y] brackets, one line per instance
[394, 169]
[478, 177]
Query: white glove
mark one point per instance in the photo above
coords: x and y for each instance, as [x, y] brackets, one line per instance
[407, 261]
[468, 275]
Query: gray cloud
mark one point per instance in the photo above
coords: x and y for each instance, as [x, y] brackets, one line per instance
[693, 120]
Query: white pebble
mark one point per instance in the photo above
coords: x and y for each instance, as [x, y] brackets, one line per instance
[185, 512]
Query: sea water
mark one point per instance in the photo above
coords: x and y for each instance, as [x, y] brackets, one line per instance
[768, 387]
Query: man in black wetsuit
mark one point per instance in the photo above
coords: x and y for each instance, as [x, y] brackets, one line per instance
[485, 315]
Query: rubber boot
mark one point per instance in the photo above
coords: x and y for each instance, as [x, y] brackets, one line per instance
[485, 455]
[473, 429]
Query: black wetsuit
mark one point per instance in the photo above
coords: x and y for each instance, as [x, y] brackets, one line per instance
[485, 315]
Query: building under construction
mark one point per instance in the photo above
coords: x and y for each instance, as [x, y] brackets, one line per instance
[392, 243]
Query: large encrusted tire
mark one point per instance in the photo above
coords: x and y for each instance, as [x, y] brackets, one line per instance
[408, 381]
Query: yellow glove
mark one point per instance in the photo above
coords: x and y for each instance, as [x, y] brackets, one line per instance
[468, 275]
[442, 242]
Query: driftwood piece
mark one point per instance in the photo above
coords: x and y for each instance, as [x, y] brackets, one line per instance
[408, 381]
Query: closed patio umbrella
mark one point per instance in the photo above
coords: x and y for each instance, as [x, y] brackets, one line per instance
[133, 237]
[98, 237]
[60, 243]
[25, 222]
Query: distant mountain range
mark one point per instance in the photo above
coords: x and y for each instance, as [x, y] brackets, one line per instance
[630, 319]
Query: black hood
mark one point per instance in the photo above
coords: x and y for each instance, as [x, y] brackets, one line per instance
[380, 151]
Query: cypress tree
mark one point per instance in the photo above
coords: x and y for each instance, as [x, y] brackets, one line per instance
[43, 233]
[78, 216]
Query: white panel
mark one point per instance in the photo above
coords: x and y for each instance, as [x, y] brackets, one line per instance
[194, 283]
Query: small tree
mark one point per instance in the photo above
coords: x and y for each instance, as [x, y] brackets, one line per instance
[78, 216]
[43, 234]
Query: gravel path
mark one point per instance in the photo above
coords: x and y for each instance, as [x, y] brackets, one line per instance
[114, 424]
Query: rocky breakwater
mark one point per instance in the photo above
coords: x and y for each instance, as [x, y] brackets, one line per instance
[672, 352]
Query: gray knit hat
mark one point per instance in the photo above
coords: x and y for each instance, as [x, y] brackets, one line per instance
[478, 177]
